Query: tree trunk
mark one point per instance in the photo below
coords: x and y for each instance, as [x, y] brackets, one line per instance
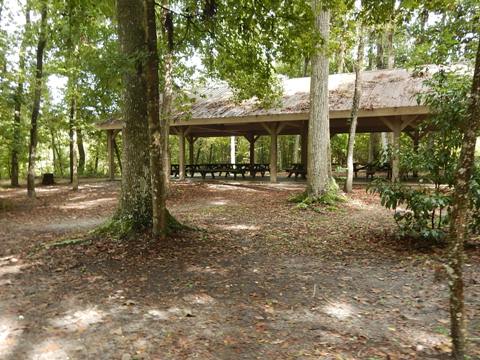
[355, 106]
[70, 149]
[167, 93]
[18, 99]
[73, 141]
[341, 58]
[459, 218]
[157, 139]
[135, 197]
[380, 54]
[117, 154]
[60, 159]
[389, 39]
[319, 168]
[54, 146]
[81, 152]
[37, 98]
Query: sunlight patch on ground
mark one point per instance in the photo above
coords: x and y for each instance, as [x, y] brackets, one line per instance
[42, 190]
[207, 270]
[9, 334]
[239, 227]
[11, 269]
[49, 350]
[219, 202]
[158, 314]
[230, 187]
[87, 204]
[428, 339]
[339, 310]
[199, 299]
[360, 205]
[79, 320]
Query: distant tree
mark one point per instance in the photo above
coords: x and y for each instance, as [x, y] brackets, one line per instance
[357, 93]
[18, 100]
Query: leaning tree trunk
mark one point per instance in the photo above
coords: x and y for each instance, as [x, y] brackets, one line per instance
[167, 93]
[319, 168]
[135, 198]
[459, 215]
[357, 94]
[157, 139]
[18, 99]
[32, 149]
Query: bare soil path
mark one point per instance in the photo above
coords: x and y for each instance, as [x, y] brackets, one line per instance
[257, 279]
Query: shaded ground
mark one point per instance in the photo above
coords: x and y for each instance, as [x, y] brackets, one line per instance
[258, 279]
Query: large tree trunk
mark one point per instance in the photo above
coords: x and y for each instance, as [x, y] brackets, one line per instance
[157, 139]
[459, 218]
[319, 168]
[135, 198]
[37, 97]
[355, 106]
[17, 118]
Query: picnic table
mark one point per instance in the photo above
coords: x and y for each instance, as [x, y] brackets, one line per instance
[225, 169]
[372, 168]
[297, 170]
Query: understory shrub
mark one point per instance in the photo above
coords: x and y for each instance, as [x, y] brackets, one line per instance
[423, 212]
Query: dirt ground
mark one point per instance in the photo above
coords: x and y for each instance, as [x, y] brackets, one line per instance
[255, 278]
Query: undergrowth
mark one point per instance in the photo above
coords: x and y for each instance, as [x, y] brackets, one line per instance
[331, 197]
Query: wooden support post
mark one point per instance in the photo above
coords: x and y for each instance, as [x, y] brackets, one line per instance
[273, 129]
[304, 145]
[273, 155]
[252, 139]
[111, 160]
[396, 154]
[191, 152]
[396, 127]
[181, 154]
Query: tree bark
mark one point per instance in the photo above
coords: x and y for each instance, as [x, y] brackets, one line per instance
[157, 139]
[167, 93]
[18, 99]
[37, 98]
[117, 154]
[341, 58]
[73, 141]
[459, 218]
[355, 106]
[319, 168]
[135, 198]
[81, 152]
